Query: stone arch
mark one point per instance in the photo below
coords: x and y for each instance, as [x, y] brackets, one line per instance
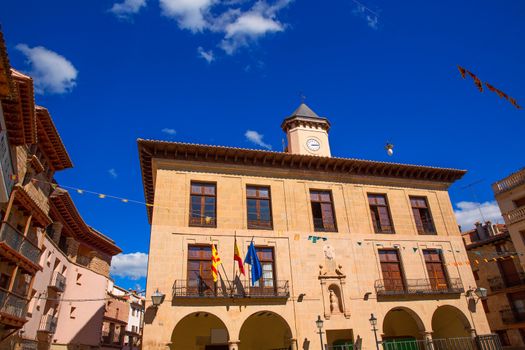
[265, 330]
[335, 298]
[450, 322]
[200, 331]
[402, 323]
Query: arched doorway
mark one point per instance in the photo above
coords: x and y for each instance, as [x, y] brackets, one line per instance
[402, 325]
[265, 330]
[200, 331]
[449, 322]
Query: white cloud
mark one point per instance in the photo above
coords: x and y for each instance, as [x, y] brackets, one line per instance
[247, 28]
[169, 131]
[255, 137]
[189, 14]
[132, 265]
[127, 8]
[371, 17]
[239, 27]
[113, 173]
[51, 72]
[467, 213]
[206, 55]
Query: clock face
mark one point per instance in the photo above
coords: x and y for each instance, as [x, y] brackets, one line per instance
[313, 145]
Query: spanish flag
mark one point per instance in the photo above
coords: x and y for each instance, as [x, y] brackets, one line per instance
[215, 262]
[237, 256]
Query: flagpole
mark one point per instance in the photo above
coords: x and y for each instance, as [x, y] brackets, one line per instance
[234, 244]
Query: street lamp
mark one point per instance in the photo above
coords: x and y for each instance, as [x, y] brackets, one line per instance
[319, 324]
[480, 292]
[373, 323]
[157, 298]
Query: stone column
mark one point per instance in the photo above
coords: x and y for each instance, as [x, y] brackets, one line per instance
[427, 337]
[233, 345]
[293, 344]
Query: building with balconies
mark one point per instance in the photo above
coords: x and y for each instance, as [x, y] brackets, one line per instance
[337, 239]
[496, 267]
[47, 251]
[510, 195]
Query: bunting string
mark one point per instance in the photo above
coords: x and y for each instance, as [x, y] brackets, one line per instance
[479, 84]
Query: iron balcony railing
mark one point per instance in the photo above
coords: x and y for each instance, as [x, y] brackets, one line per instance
[481, 342]
[229, 289]
[28, 344]
[16, 240]
[58, 282]
[418, 286]
[509, 182]
[500, 282]
[513, 315]
[12, 304]
[83, 260]
[48, 324]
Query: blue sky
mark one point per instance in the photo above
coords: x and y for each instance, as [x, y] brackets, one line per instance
[208, 71]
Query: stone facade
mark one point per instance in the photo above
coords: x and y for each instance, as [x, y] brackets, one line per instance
[337, 279]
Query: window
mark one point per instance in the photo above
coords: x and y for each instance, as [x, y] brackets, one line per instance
[436, 271]
[323, 211]
[503, 337]
[520, 202]
[73, 312]
[203, 210]
[259, 207]
[476, 274]
[485, 304]
[522, 234]
[424, 222]
[266, 257]
[380, 213]
[391, 270]
[200, 278]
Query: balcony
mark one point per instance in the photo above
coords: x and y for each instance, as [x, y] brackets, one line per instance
[514, 216]
[12, 304]
[190, 289]
[418, 287]
[499, 283]
[58, 282]
[48, 324]
[83, 260]
[510, 182]
[513, 315]
[15, 240]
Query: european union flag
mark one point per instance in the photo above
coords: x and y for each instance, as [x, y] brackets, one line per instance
[253, 261]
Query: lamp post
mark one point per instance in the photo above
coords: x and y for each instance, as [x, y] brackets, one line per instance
[157, 298]
[373, 323]
[319, 324]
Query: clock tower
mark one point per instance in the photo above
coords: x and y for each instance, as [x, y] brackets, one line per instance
[307, 133]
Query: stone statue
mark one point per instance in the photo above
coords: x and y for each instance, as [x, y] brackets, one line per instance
[334, 302]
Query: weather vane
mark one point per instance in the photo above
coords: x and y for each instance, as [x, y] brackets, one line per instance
[302, 96]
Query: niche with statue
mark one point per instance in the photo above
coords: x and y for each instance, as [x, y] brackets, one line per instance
[332, 279]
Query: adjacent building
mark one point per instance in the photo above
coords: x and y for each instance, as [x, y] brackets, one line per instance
[339, 240]
[496, 267]
[123, 317]
[510, 195]
[54, 268]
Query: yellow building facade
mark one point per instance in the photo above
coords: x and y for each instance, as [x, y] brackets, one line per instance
[338, 239]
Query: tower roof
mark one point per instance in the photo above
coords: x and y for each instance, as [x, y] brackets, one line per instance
[304, 115]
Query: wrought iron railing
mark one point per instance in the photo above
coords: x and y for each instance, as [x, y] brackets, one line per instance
[28, 344]
[12, 304]
[58, 282]
[48, 324]
[83, 260]
[513, 315]
[229, 289]
[500, 282]
[418, 286]
[482, 342]
[16, 240]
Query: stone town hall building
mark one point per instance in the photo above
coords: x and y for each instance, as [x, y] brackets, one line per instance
[392, 247]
